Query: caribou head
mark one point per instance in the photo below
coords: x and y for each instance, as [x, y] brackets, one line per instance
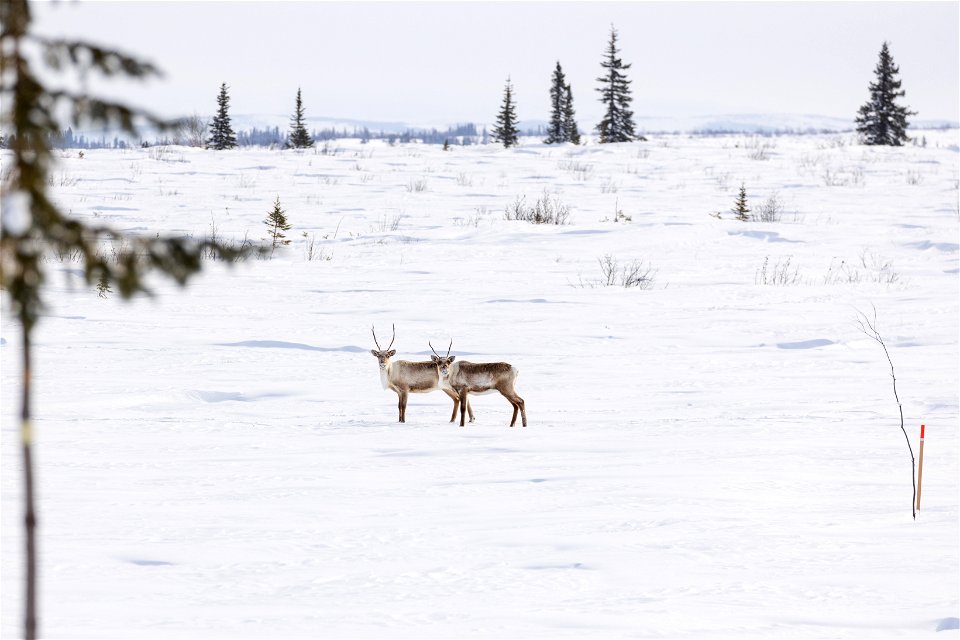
[443, 362]
[384, 355]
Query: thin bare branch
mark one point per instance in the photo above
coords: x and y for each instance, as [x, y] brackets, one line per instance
[869, 328]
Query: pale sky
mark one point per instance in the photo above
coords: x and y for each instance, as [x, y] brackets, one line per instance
[446, 62]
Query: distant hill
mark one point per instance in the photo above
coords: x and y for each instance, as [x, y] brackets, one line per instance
[758, 123]
[272, 129]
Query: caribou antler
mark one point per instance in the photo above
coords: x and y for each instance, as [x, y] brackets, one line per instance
[435, 351]
[394, 328]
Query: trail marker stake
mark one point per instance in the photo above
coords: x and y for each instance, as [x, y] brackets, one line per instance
[920, 468]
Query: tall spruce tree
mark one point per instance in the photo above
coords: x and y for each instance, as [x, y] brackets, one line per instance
[506, 130]
[617, 123]
[881, 120]
[558, 93]
[563, 125]
[299, 138]
[221, 133]
[570, 130]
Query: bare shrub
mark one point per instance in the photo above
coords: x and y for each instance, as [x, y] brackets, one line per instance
[609, 185]
[63, 180]
[191, 131]
[545, 210]
[327, 149]
[472, 220]
[759, 148]
[580, 170]
[385, 223]
[771, 210]
[634, 274]
[872, 268]
[809, 162]
[618, 214]
[914, 178]
[417, 186]
[723, 181]
[782, 273]
[312, 251]
[842, 177]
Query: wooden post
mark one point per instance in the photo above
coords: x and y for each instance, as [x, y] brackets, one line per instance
[920, 468]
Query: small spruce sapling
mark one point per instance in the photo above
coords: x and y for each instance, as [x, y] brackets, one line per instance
[276, 224]
[103, 287]
[740, 209]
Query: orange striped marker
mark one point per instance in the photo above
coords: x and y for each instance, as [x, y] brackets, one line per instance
[920, 468]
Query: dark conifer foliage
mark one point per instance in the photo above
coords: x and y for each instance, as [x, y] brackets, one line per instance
[221, 133]
[563, 126]
[276, 222]
[558, 95]
[617, 123]
[740, 209]
[299, 138]
[506, 130]
[881, 120]
[570, 130]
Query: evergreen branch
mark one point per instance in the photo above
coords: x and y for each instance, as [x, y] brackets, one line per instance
[85, 56]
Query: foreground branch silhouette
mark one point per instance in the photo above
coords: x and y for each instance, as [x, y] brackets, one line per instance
[33, 226]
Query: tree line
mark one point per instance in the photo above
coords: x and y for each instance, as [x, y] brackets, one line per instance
[880, 121]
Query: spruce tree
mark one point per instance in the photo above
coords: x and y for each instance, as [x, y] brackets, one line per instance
[881, 120]
[276, 224]
[570, 131]
[740, 209]
[555, 130]
[617, 123]
[506, 130]
[299, 138]
[221, 133]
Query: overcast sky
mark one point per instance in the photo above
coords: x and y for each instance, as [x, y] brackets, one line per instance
[445, 62]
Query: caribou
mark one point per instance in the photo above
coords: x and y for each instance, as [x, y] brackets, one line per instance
[465, 378]
[411, 377]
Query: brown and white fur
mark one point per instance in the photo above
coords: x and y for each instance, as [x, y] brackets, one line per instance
[411, 377]
[465, 378]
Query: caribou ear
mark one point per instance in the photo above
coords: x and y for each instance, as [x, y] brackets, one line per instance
[375, 353]
[452, 358]
[435, 359]
[391, 353]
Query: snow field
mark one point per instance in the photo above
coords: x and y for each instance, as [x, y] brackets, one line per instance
[709, 457]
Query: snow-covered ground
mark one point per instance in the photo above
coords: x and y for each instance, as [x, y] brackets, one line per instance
[717, 455]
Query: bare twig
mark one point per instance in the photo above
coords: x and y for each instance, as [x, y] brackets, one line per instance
[869, 328]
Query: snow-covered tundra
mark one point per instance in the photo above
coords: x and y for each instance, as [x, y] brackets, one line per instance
[713, 450]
